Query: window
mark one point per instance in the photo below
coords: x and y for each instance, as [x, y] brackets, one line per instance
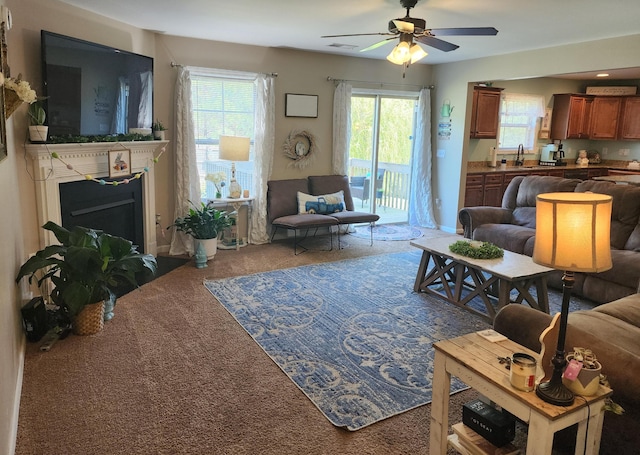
[222, 107]
[518, 120]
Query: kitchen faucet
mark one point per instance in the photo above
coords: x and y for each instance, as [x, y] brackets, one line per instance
[520, 159]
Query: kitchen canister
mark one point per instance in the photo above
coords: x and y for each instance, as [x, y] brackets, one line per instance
[523, 371]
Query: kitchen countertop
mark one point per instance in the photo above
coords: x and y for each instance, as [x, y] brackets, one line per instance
[480, 167]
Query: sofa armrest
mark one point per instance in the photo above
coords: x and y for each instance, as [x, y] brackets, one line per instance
[472, 217]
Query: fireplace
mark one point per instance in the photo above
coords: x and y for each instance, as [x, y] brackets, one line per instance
[135, 201]
[116, 210]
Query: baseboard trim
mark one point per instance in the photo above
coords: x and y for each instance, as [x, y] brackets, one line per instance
[16, 400]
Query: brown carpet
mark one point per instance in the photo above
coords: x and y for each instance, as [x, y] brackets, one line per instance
[174, 373]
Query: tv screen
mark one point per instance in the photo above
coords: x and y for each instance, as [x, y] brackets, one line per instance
[94, 90]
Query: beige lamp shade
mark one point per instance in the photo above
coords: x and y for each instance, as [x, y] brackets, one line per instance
[573, 231]
[234, 148]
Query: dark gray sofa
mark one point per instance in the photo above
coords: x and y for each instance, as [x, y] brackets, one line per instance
[282, 205]
[513, 225]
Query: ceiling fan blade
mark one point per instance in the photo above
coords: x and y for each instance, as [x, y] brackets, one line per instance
[464, 31]
[437, 43]
[358, 34]
[403, 26]
[377, 45]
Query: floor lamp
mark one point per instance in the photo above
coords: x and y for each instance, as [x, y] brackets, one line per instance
[234, 148]
[573, 235]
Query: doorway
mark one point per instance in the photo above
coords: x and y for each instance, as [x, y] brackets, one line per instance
[382, 132]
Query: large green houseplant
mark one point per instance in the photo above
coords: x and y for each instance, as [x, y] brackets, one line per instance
[86, 268]
[204, 222]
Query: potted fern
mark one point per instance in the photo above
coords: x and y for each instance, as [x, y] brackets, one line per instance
[86, 269]
[37, 129]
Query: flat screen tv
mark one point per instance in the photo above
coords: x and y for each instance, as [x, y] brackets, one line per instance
[94, 90]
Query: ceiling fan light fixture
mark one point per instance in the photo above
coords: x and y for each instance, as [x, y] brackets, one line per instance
[417, 53]
[400, 54]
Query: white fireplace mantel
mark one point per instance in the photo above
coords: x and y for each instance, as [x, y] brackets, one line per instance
[90, 159]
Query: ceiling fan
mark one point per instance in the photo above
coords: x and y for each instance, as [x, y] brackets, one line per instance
[408, 29]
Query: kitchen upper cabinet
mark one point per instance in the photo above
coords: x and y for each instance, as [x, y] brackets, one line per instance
[485, 112]
[605, 112]
[571, 118]
[630, 118]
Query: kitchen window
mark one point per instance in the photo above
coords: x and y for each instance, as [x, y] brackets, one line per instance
[519, 120]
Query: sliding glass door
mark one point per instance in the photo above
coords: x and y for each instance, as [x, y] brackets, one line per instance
[382, 130]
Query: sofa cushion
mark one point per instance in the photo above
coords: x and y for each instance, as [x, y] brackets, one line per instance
[625, 210]
[626, 309]
[323, 204]
[324, 184]
[508, 236]
[625, 270]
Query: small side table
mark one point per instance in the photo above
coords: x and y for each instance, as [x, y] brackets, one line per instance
[236, 203]
[474, 360]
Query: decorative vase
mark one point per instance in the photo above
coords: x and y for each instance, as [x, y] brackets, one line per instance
[38, 133]
[90, 320]
[158, 134]
[210, 246]
[587, 382]
[218, 195]
[200, 256]
[109, 305]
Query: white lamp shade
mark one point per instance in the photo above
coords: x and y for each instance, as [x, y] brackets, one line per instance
[234, 148]
[573, 231]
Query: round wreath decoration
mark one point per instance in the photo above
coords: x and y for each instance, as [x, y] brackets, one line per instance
[300, 146]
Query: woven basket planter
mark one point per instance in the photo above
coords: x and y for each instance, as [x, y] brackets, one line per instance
[11, 102]
[90, 320]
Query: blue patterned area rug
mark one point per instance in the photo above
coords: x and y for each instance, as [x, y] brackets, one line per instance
[352, 335]
[387, 232]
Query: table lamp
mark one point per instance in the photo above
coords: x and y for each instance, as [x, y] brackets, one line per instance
[234, 148]
[573, 235]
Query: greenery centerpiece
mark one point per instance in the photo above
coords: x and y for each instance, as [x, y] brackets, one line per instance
[86, 269]
[476, 250]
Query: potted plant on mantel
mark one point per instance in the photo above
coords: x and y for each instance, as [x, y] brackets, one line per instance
[158, 130]
[205, 224]
[86, 269]
[37, 129]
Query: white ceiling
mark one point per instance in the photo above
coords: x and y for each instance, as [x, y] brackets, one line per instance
[522, 24]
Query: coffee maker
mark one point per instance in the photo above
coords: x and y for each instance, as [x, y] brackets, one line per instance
[558, 156]
[547, 153]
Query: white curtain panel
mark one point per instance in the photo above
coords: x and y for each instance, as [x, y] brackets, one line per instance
[187, 182]
[341, 127]
[421, 197]
[264, 146]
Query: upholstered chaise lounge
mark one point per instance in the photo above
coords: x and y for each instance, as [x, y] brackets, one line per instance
[283, 206]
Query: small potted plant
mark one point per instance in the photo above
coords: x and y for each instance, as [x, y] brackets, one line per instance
[86, 269]
[588, 377]
[37, 129]
[158, 130]
[205, 224]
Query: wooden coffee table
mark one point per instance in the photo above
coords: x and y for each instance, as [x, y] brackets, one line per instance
[459, 279]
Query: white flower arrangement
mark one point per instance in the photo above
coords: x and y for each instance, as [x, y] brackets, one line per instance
[17, 91]
[218, 179]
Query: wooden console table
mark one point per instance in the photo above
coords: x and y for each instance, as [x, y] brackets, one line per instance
[474, 360]
[452, 273]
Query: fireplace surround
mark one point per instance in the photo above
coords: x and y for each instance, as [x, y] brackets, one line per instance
[90, 159]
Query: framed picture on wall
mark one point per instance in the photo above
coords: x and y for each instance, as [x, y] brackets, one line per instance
[301, 105]
[119, 163]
